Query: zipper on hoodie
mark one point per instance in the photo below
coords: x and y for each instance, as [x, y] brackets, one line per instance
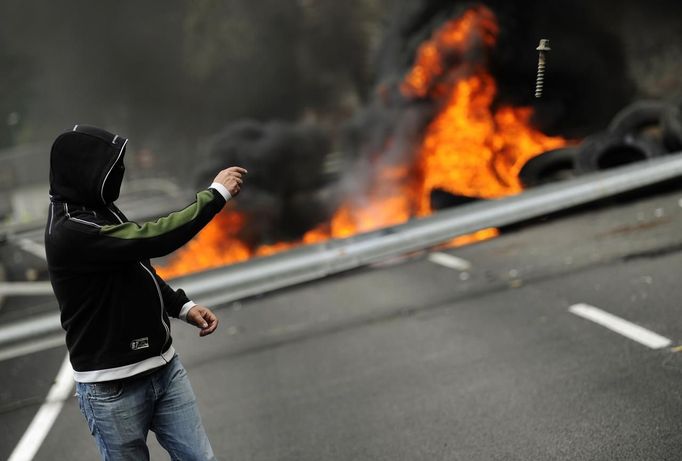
[158, 291]
[51, 216]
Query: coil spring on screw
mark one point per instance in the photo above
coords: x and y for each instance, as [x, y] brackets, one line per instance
[542, 48]
[540, 79]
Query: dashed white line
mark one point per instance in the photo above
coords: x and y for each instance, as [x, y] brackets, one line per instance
[32, 247]
[25, 288]
[50, 342]
[621, 326]
[450, 261]
[48, 323]
[42, 422]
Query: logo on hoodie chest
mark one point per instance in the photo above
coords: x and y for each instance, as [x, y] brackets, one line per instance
[139, 343]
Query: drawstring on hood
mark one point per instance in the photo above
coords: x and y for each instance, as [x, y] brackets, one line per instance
[86, 166]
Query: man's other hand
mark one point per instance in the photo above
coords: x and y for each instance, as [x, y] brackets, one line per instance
[203, 318]
[232, 178]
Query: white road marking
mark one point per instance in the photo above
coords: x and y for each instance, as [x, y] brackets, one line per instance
[42, 422]
[32, 247]
[48, 323]
[25, 288]
[453, 262]
[621, 326]
[32, 347]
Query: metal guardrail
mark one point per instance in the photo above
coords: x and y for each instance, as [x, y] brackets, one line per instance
[315, 261]
[308, 263]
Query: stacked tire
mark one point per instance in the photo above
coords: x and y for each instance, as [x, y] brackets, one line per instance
[672, 126]
[641, 131]
[551, 166]
[633, 135]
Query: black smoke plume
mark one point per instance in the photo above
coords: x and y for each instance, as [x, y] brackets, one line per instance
[589, 78]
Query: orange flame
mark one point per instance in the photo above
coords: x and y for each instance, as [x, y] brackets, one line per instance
[449, 43]
[468, 149]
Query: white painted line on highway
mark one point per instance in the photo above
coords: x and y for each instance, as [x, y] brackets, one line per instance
[25, 288]
[32, 347]
[621, 326]
[42, 422]
[452, 262]
[32, 247]
[48, 323]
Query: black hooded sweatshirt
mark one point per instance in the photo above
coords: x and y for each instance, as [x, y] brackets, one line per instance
[114, 307]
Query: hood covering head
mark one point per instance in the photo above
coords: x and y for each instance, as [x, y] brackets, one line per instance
[86, 166]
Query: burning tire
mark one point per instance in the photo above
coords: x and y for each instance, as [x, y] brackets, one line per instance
[672, 126]
[638, 117]
[441, 199]
[553, 165]
[609, 150]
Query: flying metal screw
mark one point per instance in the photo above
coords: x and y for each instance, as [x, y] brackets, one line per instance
[542, 47]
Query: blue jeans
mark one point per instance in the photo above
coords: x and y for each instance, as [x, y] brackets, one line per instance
[120, 414]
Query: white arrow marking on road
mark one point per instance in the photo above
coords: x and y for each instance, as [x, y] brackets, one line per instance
[621, 326]
[453, 262]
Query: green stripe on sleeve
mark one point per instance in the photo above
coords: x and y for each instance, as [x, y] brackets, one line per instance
[131, 230]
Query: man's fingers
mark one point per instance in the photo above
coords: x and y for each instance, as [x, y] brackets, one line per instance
[210, 322]
[212, 325]
[234, 182]
[204, 319]
[195, 316]
[231, 178]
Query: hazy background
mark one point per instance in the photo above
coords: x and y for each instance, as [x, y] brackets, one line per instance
[171, 75]
[166, 73]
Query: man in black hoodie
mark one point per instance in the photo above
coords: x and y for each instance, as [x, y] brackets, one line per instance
[115, 308]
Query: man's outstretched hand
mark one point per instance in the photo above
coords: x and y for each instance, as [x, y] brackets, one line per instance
[203, 318]
[232, 178]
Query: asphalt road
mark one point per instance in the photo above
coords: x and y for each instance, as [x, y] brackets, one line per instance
[412, 360]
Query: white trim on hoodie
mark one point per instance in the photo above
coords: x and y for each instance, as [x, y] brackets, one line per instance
[126, 371]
